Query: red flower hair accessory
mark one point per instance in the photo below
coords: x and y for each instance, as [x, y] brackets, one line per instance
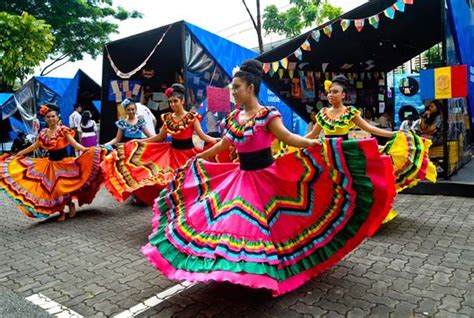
[44, 110]
[169, 91]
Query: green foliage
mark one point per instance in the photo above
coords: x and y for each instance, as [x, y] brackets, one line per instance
[434, 54]
[79, 26]
[303, 13]
[24, 43]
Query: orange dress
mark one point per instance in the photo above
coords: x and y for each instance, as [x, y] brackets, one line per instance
[143, 169]
[43, 186]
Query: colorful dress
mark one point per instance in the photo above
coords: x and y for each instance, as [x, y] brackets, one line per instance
[43, 186]
[409, 152]
[264, 222]
[143, 169]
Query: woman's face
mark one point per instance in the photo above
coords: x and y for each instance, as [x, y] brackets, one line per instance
[131, 110]
[176, 103]
[52, 118]
[336, 95]
[241, 91]
[432, 108]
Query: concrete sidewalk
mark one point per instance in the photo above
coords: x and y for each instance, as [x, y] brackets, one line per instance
[419, 265]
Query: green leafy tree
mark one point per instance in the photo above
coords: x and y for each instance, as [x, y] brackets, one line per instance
[24, 43]
[434, 54]
[79, 26]
[303, 13]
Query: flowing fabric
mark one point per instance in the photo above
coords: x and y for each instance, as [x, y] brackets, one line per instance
[41, 187]
[272, 228]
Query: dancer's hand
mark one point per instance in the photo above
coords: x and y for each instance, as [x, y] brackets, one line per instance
[314, 142]
[214, 140]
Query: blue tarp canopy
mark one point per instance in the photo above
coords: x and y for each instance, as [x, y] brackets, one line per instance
[187, 54]
[22, 106]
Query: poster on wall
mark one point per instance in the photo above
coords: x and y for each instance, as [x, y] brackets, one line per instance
[121, 89]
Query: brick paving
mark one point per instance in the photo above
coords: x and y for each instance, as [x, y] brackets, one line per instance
[419, 265]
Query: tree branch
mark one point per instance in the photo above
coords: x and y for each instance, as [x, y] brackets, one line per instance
[257, 25]
[62, 57]
[54, 68]
[251, 16]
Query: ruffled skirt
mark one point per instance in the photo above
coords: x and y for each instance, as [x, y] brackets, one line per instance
[273, 228]
[41, 187]
[142, 169]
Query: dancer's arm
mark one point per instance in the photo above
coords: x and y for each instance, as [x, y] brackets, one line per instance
[363, 124]
[117, 138]
[214, 150]
[277, 128]
[27, 150]
[314, 133]
[202, 135]
[75, 144]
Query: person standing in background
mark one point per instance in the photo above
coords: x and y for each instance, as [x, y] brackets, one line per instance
[150, 119]
[88, 130]
[75, 123]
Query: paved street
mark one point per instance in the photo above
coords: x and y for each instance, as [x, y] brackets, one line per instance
[421, 264]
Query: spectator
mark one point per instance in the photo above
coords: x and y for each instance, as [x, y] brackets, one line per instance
[431, 123]
[88, 130]
[75, 122]
[408, 123]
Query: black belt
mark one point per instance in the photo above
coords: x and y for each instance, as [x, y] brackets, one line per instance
[256, 160]
[88, 129]
[57, 155]
[182, 143]
[345, 137]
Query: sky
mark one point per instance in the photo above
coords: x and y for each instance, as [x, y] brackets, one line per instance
[228, 19]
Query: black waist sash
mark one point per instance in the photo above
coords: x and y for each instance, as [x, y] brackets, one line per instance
[345, 137]
[57, 155]
[182, 143]
[88, 129]
[256, 160]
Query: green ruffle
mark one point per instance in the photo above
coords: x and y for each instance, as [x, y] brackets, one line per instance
[363, 203]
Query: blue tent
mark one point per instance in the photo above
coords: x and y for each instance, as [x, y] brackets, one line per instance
[143, 65]
[22, 106]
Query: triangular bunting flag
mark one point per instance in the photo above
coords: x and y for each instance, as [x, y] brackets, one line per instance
[374, 21]
[301, 65]
[382, 74]
[408, 1]
[271, 72]
[291, 65]
[345, 24]
[369, 76]
[359, 24]
[284, 63]
[266, 67]
[306, 46]
[389, 12]
[324, 66]
[291, 73]
[399, 6]
[298, 54]
[275, 66]
[315, 34]
[376, 75]
[281, 72]
[328, 30]
[318, 75]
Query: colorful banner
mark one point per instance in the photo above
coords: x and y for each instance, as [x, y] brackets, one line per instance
[345, 24]
[359, 24]
[444, 82]
[374, 21]
[328, 30]
[315, 34]
[306, 46]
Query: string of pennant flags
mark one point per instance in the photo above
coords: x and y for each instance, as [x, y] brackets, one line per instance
[273, 68]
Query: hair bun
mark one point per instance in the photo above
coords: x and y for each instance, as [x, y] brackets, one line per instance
[341, 79]
[178, 88]
[254, 67]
